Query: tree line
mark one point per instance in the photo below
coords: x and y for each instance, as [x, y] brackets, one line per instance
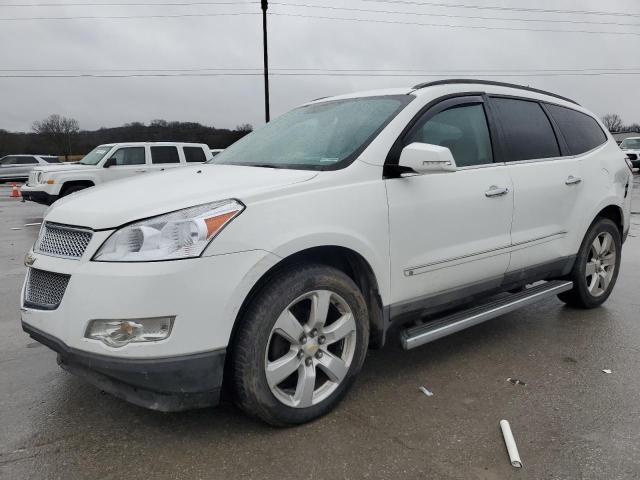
[614, 123]
[58, 135]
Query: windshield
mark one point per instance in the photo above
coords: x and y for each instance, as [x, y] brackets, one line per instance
[321, 136]
[630, 143]
[95, 155]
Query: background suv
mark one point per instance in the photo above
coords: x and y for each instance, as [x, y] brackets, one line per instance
[296, 249]
[110, 162]
[18, 167]
[631, 147]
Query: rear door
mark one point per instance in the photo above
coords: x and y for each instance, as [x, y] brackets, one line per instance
[8, 167]
[547, 184]
[164, 157]
[450, 232]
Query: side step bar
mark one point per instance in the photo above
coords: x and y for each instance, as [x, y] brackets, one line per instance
[428, 332]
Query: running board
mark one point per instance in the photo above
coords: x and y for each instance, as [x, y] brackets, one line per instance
[428, 332]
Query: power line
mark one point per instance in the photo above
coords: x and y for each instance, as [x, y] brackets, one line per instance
[316, 74]
[322, 17]
[120, 4]
[422, 71]
[128, 17]
[481, 27]
[448, 15]
[510, 9]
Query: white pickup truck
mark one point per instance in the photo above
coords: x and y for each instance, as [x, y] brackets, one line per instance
[110, 162]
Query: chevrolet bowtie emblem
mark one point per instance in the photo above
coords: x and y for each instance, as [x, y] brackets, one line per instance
[29, 260]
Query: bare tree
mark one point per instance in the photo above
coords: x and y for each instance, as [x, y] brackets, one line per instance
[245, 127]
[61, 131]
[613, 122]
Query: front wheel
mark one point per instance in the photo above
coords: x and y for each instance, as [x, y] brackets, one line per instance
[300, 345]
[596, 269]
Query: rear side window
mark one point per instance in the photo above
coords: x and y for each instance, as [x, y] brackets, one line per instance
[463, 130]
[581, 132]
[129, 156]
[194, 154]
[164, 155]
[51, 159]
[528, 132]
[27, 161]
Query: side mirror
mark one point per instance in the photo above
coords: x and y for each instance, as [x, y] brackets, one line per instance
[424, 158]
[110, 162]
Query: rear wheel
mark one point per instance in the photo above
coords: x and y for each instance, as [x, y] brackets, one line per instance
[300, 345]
[596, 269]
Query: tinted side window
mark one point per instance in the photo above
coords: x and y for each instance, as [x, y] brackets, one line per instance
[9, 161]
[164, 155]
[528, 132]
[194, 154]
[27, 161]
[581, 132]
[129, 156]
[51, 159]
[463, 130]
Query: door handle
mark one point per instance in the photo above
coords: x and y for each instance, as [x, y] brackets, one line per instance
[495, 191]
[571, 180]
[140, 171]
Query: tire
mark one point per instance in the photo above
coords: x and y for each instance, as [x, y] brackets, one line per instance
[589, 291]
[266, 339]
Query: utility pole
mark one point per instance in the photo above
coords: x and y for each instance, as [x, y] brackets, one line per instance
[264, 4]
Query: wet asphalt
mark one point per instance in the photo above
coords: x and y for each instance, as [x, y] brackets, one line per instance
[570, 420]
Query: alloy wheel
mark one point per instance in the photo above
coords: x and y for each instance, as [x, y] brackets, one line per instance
[601, 264]
[311, 347]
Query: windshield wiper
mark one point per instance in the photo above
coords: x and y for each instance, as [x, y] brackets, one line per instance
[262, 165]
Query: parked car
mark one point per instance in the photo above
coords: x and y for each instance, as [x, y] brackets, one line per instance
[631, 147]
[109, 162]
[273, 268]
[18, 167]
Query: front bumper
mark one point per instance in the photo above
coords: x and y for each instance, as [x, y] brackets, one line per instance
[166, 384]
[183, 371]
[39, 196]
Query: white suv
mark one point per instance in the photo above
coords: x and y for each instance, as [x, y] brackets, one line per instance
[110, 162]
[270, 270]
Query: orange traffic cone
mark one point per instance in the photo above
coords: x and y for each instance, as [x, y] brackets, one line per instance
[15, 193]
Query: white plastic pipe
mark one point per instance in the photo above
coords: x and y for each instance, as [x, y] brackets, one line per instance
[510, 442]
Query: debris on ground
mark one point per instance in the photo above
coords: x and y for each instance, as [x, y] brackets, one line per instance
[606, 370]
[515, 381]
[510, 442]
[427, 392]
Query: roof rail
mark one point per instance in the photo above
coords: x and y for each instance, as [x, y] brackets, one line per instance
[490, 82]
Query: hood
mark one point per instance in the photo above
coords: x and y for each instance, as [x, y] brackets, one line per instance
[116, 203]
[64, 167]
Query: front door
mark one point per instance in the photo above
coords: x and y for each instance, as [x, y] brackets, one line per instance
[450, 232]
[127, 161]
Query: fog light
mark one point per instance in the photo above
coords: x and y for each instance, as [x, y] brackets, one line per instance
[118, 333]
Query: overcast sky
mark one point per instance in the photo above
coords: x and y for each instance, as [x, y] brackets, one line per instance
[235, 42]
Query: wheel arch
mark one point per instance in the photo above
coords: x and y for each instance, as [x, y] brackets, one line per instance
[344, 259]
[613, 213]
[72, 183]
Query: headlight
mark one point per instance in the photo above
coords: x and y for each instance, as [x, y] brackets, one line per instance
[182, 234]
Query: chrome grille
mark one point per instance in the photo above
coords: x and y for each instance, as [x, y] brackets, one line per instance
[62, 241]
[44, 289]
